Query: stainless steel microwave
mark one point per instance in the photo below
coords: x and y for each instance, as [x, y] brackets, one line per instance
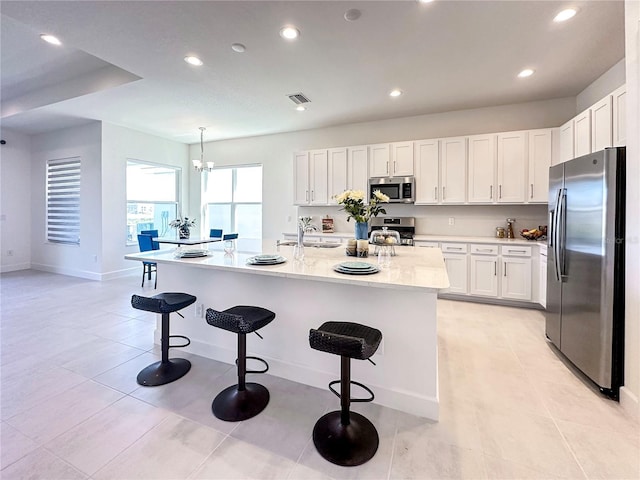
[398, 189]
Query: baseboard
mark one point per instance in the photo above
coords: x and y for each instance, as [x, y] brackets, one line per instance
[490, 301]
[629, 403]
[67, 271]
[15, 267]
[127, 272]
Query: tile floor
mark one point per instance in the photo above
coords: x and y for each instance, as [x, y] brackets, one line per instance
[71, 408]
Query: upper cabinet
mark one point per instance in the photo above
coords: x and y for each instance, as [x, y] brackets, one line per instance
[358, 168]
[453, 170]
[301, 178]
[512, 167]
[600, 126]
[427, 157]
[337, 173]
[619, 104]
[391, 159]
[310, 177]
[482, 169]
[540, 156]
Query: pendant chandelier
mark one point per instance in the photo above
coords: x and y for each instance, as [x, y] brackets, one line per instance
[199, 165]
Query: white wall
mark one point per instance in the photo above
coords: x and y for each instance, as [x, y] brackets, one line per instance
[118, 145]
[630, 394]
[15, 201]
[83, 260]
[603, 85]
[275, 151]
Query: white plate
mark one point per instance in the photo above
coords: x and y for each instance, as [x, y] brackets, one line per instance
[356, 265]
[368, 271]
[273, 261]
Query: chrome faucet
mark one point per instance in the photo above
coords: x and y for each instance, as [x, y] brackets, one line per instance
[304, 225]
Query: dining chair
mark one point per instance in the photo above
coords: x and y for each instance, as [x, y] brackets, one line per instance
[154, 234]
[145, 242]
[215, 232]
[230, 236]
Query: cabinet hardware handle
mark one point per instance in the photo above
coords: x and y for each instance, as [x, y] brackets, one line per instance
[495, 269]
[500, 190]
[395, 166]
[443, 193]
[313, 195]
[435, 193]
[491, 192]
[505, 269]
[387, 167]
[455, 248]
[306, 195]
[517, 251]
[532, 190]
[484, 249]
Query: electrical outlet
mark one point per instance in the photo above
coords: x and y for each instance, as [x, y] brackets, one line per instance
[452, 221]
[9, 253]
[199, 310]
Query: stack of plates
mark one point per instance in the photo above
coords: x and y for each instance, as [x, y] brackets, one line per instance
[356, 268]
[266, 260]
[191, 253]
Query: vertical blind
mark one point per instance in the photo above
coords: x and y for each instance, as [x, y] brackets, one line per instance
[63, 201]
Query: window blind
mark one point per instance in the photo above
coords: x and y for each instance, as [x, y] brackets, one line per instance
[63, 201]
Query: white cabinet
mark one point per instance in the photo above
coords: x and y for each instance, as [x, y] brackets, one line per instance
[358, 168]
[582, 133]
[540, 156]
[619, 110]
[516, 273]
[456, 262]
[391, 159]
[512, 167]
[483, 279]
[453, 170]
[601, 124]
[310, 174]
[427, 159]
[542, 278]
[401, 159]
[482, 169]
[567, 142]
[338, 178]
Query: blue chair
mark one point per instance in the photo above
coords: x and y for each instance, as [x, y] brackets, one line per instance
[230, 236]
[154, 234]
[146, 245]
[215, 232]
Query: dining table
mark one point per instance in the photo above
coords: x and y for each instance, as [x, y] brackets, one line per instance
[187, 241]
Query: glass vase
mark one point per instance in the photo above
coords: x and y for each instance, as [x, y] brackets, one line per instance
[184, 232]
[362, 230]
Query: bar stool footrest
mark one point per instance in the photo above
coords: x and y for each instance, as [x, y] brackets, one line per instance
[180, 346]
[364, 387]
[266, 365]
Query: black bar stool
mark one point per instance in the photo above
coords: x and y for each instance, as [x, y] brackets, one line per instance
[244, 400]
[167, 370]
[343, 437]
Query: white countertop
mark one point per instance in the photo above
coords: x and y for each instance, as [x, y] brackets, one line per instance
[471, 239]
[411, 269]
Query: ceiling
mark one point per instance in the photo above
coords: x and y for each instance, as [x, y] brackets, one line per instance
[122, 61]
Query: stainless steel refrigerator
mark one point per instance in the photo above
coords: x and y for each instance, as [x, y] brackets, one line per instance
[585, 269]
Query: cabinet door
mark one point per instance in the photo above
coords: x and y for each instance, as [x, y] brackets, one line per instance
[601, 125]
[484, 275]
[482, 169]
[567, 141]
[512, 167]
[358, 169]
[301, 178]
[427, 171]
[456, 265]
[453, 170]
[379, 160]
[402, 159]
[337, 173]
[318, 161]
[619, 100]
[540, 153]
[542, 285]
[582, 131]
[516, 278]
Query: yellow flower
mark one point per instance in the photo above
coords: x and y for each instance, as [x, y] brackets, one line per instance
[356, 194]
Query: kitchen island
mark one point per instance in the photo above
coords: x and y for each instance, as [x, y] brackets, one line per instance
[400, 301]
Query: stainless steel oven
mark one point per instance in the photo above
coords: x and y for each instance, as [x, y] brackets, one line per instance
[405, 226]
[398, 189]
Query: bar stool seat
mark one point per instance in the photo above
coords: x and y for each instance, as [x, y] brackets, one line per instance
[246, 399]
[343, 437]
[166, 370]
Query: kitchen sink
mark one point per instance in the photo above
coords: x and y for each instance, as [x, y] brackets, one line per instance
[311, 244]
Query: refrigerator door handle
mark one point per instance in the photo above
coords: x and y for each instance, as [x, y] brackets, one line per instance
[561, 246]
[554, 235]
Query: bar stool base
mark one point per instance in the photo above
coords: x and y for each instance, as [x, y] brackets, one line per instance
[345, 445]
[233, 405]
[160, 373]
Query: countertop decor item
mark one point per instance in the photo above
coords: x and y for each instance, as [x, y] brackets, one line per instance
[535, 233]
[352, 202]
[183, 225]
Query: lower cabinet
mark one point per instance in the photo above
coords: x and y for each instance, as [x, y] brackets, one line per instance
[457, 264]
[484, 270]
[516, 278]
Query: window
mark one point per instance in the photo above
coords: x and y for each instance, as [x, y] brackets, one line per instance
[63, 201]
[234, 203]
[152, 198]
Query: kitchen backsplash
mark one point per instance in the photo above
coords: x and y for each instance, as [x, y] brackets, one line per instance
[477, 220]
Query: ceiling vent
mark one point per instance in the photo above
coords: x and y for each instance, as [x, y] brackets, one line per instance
[298, 98]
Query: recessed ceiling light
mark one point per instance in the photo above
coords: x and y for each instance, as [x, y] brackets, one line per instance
[395, 93]
[289, 32]
[527, 72]
[238, 47]
[565, 15]
[50, 39]
[425, 1]
[352, 15]
[191, 60]
[301, 108]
